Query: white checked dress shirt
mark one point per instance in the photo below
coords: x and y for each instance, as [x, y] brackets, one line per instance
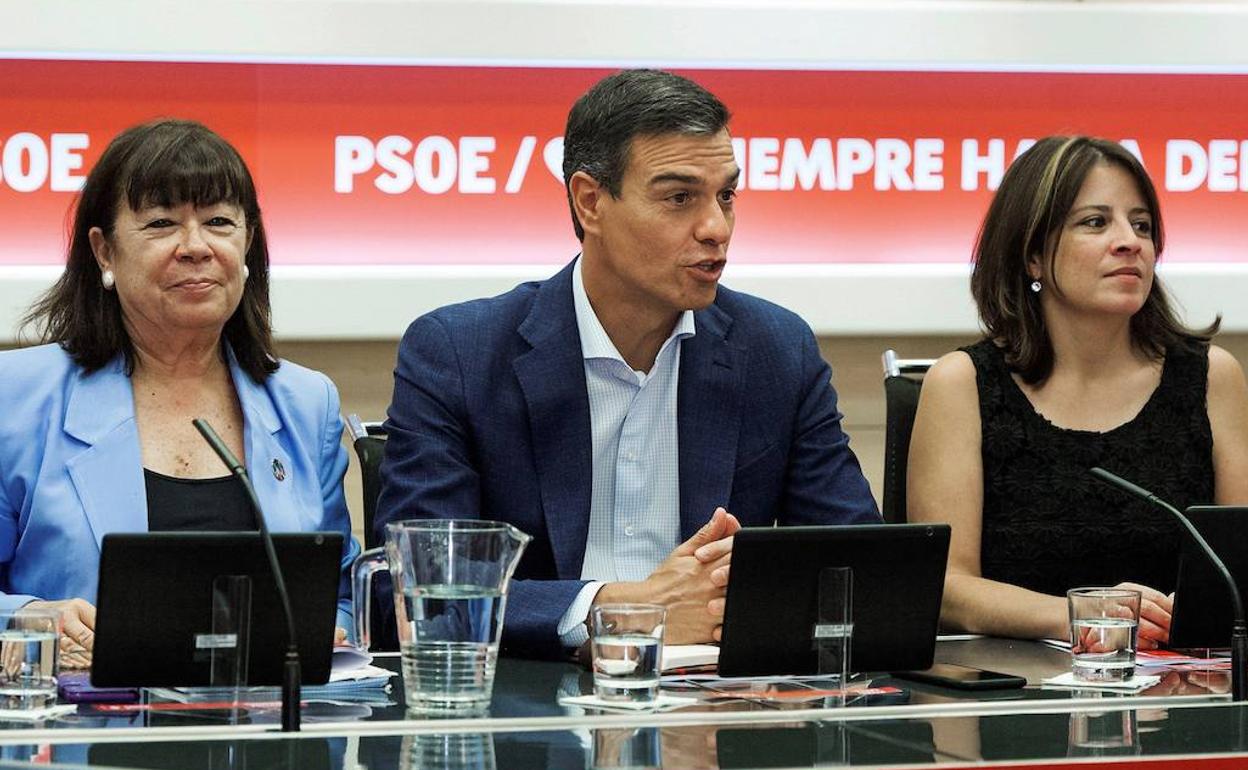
[634, 515]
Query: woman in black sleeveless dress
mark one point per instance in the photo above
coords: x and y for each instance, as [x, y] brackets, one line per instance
[1084, 364]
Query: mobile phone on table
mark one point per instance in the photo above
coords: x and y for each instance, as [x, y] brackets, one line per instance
[963, 677]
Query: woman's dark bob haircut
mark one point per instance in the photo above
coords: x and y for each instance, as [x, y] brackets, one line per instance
[1025, 223]
[163, 163]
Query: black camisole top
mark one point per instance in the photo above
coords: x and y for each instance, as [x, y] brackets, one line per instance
[197, 505]
[1047, 524]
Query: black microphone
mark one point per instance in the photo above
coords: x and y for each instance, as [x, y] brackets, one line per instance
[1239, 629]
[291, 676]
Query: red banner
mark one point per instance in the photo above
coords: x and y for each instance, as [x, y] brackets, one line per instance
[425, 165]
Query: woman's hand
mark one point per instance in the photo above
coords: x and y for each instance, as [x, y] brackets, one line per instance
[1155, 611]
[77, 630]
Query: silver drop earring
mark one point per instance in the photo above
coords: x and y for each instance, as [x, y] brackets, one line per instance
[1035, 286]
[107, 279]
[246, 272]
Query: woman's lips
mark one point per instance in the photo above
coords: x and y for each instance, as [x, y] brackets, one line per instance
[195, 285]
[1128, 275]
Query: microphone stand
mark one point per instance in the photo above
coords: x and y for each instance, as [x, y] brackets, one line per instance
[1239, 629]
[291, 675]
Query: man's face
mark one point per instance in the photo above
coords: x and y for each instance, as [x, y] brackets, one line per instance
[665, 238]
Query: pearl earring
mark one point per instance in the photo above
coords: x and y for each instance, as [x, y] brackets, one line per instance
[246, 272]
[107, 279]
[1035, 286]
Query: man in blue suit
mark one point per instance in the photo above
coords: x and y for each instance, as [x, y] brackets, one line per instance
[618, 411]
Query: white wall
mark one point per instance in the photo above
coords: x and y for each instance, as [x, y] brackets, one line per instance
[312, 303]
[795, 32]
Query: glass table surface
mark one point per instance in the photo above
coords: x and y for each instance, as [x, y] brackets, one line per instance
[902, 723]
[1196, 735]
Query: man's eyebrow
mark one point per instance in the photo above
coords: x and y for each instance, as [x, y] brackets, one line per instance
[691, 179]
[671, 176]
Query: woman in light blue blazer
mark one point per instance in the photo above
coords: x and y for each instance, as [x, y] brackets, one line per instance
[162, 315]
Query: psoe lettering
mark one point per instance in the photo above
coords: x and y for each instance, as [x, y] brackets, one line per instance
[28, 163]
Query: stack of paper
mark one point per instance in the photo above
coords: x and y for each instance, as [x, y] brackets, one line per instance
[685, 657]
[352, 679]
[352, 676]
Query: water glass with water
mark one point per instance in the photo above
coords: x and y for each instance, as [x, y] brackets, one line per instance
[627, 647]
[1104, 623]
[29, 658]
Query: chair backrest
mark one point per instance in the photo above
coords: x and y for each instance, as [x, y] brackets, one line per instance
[369, 441]
[903, 379]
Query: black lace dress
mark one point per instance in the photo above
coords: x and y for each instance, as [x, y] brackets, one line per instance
[1047, 524]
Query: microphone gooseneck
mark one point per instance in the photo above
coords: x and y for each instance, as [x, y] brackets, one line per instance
[1239, 629]
[291, 676]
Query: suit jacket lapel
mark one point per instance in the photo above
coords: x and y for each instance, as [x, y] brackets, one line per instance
[552, 377]
[712, 375]
[268, 463]
[108, 473]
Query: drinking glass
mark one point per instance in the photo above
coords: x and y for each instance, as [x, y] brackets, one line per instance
[29, 658]
[1103, 627]
[627, 647]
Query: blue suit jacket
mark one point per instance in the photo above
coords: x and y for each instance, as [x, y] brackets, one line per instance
[490, 419]
[71, 468]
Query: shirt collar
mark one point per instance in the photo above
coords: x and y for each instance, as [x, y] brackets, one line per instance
[594, 340]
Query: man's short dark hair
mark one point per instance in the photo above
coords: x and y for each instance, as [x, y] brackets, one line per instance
[603, 122]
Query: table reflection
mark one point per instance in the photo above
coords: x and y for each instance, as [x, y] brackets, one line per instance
[305, 753]
[1103, 734]
[453, 751]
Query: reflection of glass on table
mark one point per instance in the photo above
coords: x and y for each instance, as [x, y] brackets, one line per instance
[448, 751]
[627, 748]
[1102, 733]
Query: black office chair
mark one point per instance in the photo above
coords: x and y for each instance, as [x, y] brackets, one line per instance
[903, 378]
[369, 441]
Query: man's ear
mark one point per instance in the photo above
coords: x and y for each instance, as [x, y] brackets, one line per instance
[587, 198]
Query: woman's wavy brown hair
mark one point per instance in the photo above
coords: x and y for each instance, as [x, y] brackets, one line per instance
[1024, 222]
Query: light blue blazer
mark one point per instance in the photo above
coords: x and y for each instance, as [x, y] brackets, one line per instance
[71, 468]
